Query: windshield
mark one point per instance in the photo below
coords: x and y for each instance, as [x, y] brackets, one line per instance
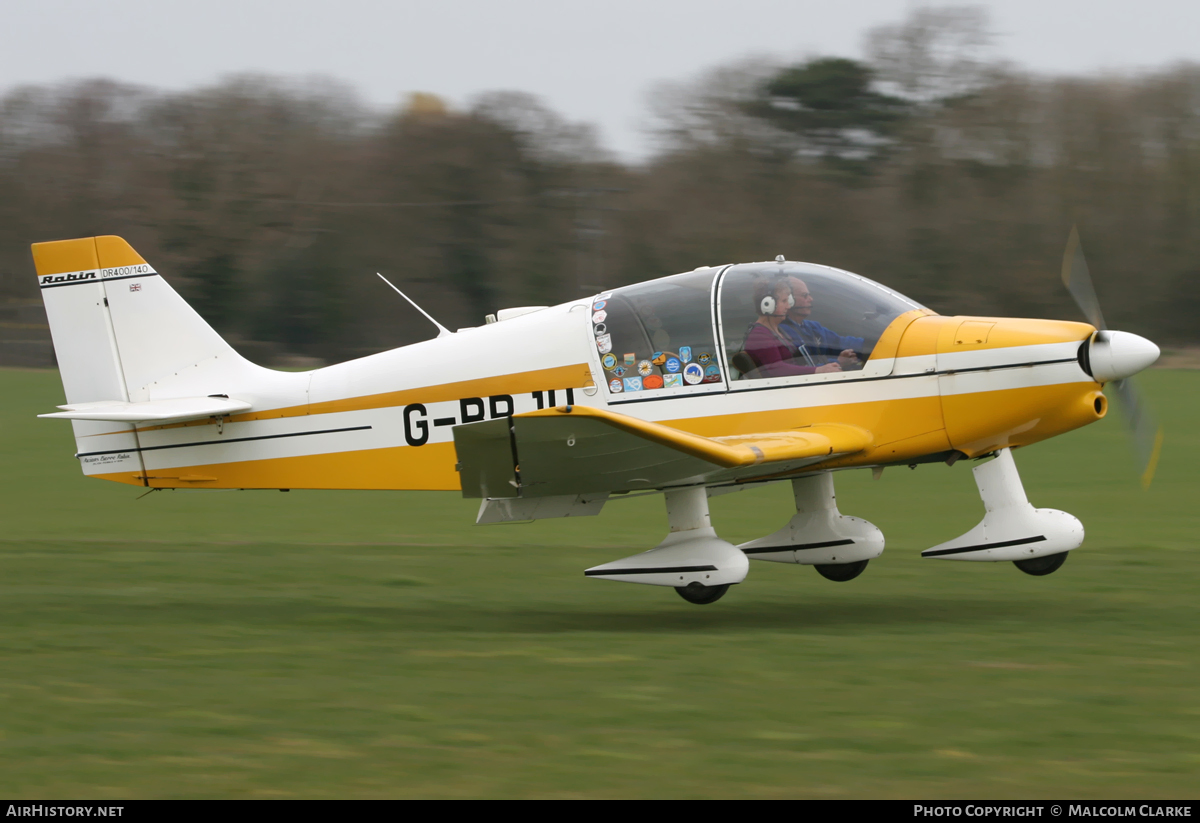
[657, 336]
[793, 319]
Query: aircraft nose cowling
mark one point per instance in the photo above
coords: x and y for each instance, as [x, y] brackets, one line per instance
[1115, 355]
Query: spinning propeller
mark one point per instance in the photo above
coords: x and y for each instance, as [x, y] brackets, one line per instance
[1115, 356]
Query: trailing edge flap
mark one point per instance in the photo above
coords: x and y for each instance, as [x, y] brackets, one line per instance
[181, 408]
[578, 449]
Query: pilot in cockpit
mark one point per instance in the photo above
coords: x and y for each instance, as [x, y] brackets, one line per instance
[816, 343]
[772, 353]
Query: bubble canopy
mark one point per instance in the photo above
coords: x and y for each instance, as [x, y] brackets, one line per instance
[699, 331]
[833, 312]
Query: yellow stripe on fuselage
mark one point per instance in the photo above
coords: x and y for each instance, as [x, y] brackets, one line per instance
[428, 467]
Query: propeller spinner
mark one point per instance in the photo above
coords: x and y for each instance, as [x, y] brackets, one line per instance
[1115, 356]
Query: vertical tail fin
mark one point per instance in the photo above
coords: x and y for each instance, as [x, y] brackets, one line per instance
[122, 334]
[120, 331]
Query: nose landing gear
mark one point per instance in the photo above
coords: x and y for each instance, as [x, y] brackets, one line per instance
[1036, 540]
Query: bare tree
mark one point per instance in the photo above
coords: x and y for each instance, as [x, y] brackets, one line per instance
[935, 54]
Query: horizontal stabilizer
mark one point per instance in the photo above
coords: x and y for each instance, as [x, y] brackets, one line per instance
[158, 411]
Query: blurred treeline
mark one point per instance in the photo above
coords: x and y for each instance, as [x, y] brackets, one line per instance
[950, 177]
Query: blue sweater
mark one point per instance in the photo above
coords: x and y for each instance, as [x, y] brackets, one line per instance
[822, 344]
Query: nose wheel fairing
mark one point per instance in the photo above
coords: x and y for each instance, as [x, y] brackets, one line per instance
[1011, 529]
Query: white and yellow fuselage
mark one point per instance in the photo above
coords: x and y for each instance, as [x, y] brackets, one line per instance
[932, 387]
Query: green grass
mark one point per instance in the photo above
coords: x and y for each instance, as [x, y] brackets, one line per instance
[351, 644]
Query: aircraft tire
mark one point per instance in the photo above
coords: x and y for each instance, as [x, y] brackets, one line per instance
[841, 572]
[1039, 566]
[700, 594]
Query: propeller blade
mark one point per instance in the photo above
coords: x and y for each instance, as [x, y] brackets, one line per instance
[1146, 434]
[1078, 281]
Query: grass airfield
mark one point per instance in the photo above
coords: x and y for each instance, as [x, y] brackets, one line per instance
[377, 644]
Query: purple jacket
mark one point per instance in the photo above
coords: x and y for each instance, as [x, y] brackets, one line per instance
[773, 356]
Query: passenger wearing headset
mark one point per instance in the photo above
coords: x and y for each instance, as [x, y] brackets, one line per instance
[773, 353]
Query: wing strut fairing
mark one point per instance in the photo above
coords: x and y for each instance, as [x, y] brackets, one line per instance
[691, 559]
[818, 534]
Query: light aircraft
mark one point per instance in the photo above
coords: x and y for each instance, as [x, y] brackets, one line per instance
[687, 385]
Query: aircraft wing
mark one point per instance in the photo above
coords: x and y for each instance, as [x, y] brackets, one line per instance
[159, 411]
[577, 449]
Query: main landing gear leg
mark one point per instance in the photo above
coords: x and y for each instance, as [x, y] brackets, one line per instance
[819, 535]
[692, 559]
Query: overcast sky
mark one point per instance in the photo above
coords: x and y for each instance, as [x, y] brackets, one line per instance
[592, 61]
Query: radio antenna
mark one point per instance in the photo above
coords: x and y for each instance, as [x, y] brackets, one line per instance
[442, 330]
